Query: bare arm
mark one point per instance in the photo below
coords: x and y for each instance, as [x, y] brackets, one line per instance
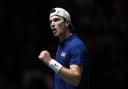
[71, 75]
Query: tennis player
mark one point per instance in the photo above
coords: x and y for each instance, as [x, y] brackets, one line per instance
[71, 53]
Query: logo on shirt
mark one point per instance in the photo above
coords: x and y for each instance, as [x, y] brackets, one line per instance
[63, 54]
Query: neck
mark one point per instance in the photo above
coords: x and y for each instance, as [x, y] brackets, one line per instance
[65, 36]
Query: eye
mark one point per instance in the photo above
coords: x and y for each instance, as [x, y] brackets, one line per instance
[56, 19]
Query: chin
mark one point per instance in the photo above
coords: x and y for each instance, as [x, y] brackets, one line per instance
[56, 35]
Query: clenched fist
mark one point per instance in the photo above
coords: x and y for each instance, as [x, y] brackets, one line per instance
[45, 57]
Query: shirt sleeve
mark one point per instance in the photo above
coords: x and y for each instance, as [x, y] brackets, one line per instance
[78, 54]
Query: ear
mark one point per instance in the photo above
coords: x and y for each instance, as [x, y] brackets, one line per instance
[67, 23]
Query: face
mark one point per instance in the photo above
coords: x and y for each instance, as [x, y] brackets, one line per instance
[57, 25]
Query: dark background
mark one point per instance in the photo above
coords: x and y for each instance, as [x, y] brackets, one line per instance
[25, 31]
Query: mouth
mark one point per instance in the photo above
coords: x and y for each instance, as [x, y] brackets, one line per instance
[54, 30]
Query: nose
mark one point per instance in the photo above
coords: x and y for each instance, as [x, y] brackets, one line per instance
[52, 24]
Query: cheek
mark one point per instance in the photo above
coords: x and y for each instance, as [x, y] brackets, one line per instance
[61, 26]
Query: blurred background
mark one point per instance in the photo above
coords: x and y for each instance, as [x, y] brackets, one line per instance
[25, 31]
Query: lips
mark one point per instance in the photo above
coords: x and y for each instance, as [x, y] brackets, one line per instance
[53, 29]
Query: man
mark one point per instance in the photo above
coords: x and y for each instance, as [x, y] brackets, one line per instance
[71, 54]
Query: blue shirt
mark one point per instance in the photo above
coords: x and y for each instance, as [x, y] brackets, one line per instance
[70, 51]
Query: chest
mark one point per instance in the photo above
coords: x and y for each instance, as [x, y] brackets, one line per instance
[63, 56]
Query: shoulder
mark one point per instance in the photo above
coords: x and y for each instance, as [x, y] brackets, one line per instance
[77, 42]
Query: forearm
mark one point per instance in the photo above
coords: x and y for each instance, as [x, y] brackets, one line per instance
[71, 76]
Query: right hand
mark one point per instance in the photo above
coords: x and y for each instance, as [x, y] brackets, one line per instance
[45, 57]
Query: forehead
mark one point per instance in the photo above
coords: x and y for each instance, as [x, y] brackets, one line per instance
[55, 17]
